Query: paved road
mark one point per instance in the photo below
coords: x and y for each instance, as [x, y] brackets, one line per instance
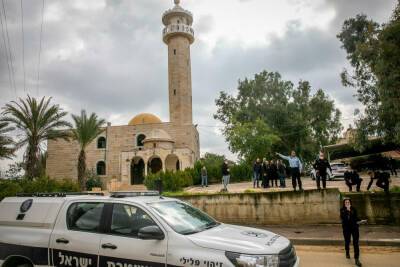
[308, 183]
[316, 256]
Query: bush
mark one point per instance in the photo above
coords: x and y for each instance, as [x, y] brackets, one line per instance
[172, 181]
[9, 188]
[213, 164]
[241, 172]
[92, 180]
[43, 184]
[395, 189]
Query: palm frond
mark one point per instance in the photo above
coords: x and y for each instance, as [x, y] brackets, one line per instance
[39, 121]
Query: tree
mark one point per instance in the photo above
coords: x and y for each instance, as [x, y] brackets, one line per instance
[374, 51]
[269, 114]
[85, 131]
[38, 122]
[258, 142]
[6, 143]
[14, 170]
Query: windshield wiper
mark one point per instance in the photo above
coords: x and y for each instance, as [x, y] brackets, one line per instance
[190, 232]
[212, 225]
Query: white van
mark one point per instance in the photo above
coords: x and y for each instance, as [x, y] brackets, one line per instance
[130, 229]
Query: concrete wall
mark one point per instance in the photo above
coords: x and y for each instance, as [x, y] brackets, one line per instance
[308, 207]
[377, 208]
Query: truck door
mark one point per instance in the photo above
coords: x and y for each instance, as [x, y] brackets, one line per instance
[122, 245]
[76, 237]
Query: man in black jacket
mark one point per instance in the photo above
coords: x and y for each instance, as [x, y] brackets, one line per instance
[382, 180]
[352, 178]
[320, 166]
[225, 175]
[256, 173]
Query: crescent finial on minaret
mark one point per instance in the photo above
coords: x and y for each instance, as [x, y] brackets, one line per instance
[177, 2]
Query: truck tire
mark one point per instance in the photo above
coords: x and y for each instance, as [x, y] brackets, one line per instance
[16, 261]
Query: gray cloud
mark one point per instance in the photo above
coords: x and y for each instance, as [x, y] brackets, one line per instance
[111, 60]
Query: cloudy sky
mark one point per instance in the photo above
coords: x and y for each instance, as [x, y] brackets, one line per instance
[108, 56]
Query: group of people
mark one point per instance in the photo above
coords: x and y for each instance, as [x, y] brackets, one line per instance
[381, 179]
[269, 172]
[273, 172]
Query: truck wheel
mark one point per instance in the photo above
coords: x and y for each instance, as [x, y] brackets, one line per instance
[24, 265]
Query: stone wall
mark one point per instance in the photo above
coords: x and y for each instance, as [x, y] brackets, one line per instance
[377, 208]
[293, 208]
[63, 155]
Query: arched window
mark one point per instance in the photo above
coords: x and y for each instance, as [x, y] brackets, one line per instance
[101, 142]
[101, 168]
[140, 139]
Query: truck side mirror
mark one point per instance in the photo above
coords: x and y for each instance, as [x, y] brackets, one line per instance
[151, 232]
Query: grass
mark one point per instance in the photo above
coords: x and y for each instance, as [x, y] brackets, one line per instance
[395, 189]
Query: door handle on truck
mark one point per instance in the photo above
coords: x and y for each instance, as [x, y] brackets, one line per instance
[108, 245]
[62, 240]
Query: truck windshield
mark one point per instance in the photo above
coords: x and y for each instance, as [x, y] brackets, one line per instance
[184, 219]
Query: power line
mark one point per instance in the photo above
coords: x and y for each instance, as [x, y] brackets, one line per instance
[9, 47]
[40, 50]
[23, 44]
[6, 50]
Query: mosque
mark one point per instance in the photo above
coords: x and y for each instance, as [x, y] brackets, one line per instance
[127, 153]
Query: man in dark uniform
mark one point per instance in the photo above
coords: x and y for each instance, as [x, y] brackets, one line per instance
[352, 178]
[320, 166]
[256, 173]
[393, 166]
[382, 180]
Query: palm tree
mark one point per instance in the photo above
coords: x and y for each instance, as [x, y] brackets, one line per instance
[85, 131]
[38, 122]
[6, 143]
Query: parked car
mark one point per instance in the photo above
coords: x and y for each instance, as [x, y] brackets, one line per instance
[129, 229]
[338, 170]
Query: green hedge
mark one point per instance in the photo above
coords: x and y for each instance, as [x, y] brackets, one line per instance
[43, 184]
[172, 181]
[241, 172]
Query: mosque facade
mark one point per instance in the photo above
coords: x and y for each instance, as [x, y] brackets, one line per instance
[127, 153]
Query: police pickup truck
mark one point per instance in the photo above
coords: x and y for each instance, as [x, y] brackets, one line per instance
[128, 229]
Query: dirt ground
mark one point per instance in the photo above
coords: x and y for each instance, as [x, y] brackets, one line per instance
[331, 256]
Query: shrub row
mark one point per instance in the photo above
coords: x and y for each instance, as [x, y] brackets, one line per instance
[177, 181]
[171, 181]
[10, 187]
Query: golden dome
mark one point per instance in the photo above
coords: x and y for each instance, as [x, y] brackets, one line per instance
[144, 118]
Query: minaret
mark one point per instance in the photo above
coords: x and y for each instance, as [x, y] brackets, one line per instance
[178, 35]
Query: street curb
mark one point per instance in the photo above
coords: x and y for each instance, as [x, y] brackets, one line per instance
[338, 242]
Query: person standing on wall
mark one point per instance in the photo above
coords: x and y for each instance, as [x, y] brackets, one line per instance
[265, 173]
[256, 173]
[281, 172]
[295, 169]
[225, 175]
[320, 166]
[350, 225]
[393, 166]
[204, 177]
[274, 173]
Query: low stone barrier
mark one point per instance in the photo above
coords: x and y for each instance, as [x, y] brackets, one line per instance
[290, 208]
[377, 208]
